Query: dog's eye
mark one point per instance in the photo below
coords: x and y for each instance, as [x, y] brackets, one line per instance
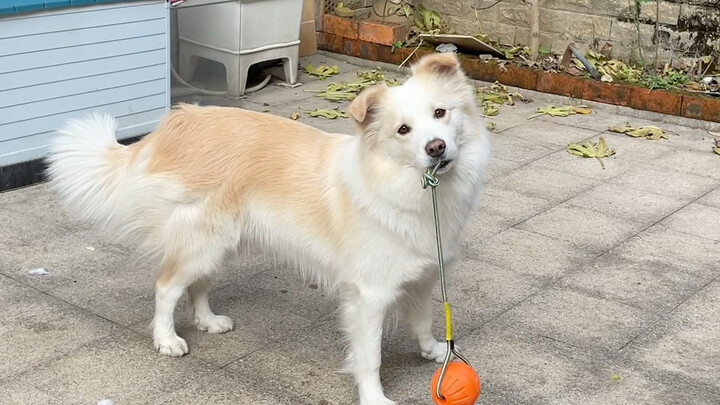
[404, 129]
[439, 113]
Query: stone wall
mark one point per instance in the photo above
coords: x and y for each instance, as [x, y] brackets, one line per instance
[673, 28]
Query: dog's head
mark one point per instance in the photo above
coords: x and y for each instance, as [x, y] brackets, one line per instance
[422, 122]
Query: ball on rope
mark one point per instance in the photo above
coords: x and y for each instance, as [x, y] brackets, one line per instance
[460, 386]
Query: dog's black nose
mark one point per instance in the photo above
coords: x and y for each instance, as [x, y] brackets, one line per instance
[435, 148]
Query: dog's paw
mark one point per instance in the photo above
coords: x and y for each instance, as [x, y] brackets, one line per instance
[215, 324]
[435, 351]
[174, 346]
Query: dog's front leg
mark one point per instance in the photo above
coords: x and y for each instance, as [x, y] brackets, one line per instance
[417, 310]
[363, 314]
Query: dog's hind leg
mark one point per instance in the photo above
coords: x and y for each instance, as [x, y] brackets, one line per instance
[203, 317]
[363, 314]
[180, 271]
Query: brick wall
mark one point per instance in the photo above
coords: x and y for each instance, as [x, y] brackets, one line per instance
[684, 27]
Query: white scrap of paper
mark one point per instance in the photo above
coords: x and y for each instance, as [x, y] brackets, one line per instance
[38, 272]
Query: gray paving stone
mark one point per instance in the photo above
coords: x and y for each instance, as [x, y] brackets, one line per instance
[657, 287]
[115, 368]
[702, 163]
[38, 328]
[696, 219]
[686, 344]
[554, 135]
[660, 245]
[552, 185]
[518, 150]
[498, 210]
[589, 323]
[588, 229]
[532, 254]
[23, 392]
[307, 364]
[497, 167]
[519, 368]
[663, 180]
[712, 198]
[629, 152]
[624, 202]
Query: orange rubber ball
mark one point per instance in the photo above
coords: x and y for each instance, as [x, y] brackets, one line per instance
[461, 385]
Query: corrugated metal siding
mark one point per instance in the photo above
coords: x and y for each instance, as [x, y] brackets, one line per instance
[63, 64]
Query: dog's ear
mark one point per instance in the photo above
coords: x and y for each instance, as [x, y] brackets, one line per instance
[443, 64]
[366, 104]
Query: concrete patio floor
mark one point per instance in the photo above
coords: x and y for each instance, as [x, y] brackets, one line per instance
[579, 285]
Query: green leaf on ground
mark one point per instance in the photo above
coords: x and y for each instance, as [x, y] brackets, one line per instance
[590, 150]
[322, 72]
[327, 113]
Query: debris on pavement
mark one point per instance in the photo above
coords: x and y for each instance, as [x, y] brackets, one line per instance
[294, 116]
[327, 113]
[650, 132]
[38, 272]
[90, 248]
[347, 91]
[716, 148]
[496, 95]
[322, 72]
[106, 401]
[561, 111]
[590, 150]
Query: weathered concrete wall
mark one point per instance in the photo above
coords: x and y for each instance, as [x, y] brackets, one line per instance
[684, 27]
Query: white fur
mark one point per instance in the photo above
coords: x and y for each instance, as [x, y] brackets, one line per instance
[387, 259]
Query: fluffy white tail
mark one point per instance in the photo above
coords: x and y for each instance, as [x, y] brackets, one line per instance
[91, 172]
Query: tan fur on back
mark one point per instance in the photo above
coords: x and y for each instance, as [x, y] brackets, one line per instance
[223, 154]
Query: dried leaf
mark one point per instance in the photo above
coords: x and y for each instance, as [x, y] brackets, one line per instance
[590, 150]
[491, 126]
[322, 72]
[716, 149]
[490, 110]
[343, 11]
[615, 377]
[561, 111]
[346, 91]
[294, 116]
[648, 132]
[326, 113]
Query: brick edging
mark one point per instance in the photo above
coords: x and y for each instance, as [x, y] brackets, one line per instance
[667, 102]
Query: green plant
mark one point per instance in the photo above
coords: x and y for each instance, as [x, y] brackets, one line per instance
[671, 79]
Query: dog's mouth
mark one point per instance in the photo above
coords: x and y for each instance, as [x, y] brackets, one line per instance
[441, 168]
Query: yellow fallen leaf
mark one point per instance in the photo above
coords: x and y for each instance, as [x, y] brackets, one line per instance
[648, 132]
[615, 377]
[561, 111]
[329, 114]
[590, 150]
[294, 116]
[322, 72]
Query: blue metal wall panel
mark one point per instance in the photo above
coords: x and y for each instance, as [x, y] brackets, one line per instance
[56, 65]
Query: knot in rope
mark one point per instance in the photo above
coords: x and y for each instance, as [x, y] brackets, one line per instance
[429, 179]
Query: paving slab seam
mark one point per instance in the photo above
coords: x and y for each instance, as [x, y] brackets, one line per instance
[668, 313]
[657, 223]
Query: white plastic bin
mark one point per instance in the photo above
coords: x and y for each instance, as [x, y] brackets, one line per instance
[239, 34]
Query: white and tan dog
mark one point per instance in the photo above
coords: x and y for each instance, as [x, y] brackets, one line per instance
[345, 210]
